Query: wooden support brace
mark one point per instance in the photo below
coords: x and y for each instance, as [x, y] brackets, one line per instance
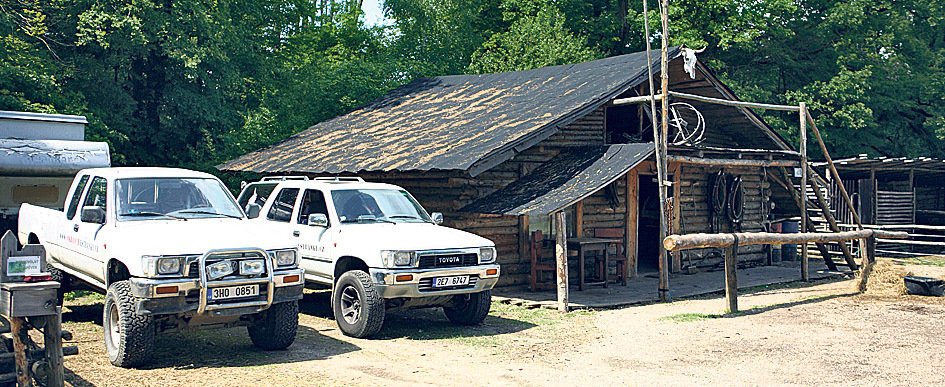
[731, 280]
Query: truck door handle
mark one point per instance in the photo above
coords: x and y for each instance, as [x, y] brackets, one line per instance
[295, 233]
[75, 227]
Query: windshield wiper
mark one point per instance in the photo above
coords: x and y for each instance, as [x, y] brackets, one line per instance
[150, 213]
[404, 217]
[208, 213]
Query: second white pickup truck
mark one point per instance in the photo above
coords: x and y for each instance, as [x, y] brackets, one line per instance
[170, 249]
[378, 249]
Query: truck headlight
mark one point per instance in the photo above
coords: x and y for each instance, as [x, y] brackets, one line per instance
[487, 255]
[252, 267]
[158, 265]
[284, 258]
[393, 258]
[219, 269]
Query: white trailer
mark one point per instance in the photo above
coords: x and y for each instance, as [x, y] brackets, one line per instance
[39, 156]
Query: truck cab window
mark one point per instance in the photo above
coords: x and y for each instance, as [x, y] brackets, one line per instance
[313, 202]
[281, 210]
[76, 196]
[97, 193]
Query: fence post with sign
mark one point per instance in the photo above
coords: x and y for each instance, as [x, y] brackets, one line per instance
[28, 299]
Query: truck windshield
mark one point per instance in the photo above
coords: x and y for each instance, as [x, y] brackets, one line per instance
[377, 205]
[187, 198]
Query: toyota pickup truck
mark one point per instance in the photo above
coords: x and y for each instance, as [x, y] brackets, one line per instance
[171, 250]
[377, 248]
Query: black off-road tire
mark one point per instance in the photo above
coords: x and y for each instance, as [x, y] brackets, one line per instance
[370, 316]
[135, 332]
[63, 279]
[276, 327]
[469, 309]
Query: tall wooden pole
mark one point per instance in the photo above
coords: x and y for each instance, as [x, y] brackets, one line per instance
[561, 260]
[661, 150]
[805, 274]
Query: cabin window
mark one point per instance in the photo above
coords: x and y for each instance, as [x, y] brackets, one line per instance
[313, 202]
[623, 125]
[96, 197]
[545, 224]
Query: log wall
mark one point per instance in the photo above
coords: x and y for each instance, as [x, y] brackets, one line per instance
[695, 217]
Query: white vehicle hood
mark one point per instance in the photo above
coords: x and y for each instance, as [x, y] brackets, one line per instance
[193, 236]
[410, 236]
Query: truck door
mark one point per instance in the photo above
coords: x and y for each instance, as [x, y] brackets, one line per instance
[315, 242]
[88, 236]
[60, 233]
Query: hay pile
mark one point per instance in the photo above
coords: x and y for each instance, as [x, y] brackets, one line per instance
[886, 279]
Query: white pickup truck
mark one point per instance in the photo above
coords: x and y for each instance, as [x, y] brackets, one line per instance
[171, 250]
[377, 248]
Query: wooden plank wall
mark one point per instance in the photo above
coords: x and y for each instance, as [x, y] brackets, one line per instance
[695, 214]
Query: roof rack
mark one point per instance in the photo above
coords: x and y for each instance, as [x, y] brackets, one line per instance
[284, 178]
[341, 179]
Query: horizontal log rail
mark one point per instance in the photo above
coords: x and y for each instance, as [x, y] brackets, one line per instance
[699, 241]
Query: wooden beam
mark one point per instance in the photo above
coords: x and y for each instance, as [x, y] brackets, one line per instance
[633, 220]
[561, 260]
[831, 221]
[805, 263]
[636, 100]
[52, 340]
[732, 162]
[20, 330]
[833, 169]
[727, 102]
[701, 241]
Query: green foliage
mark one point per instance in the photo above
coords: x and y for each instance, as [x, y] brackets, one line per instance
[537, 37]
[193, 83]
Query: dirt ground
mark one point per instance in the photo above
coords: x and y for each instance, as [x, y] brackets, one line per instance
[818, 333]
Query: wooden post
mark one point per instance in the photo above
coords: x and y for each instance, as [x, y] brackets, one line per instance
[868, 262]
[677, 212]
[805, 269]
[524, 239]
[633, 220]
[731, 280]
[661, 150]
[20, 331]
[579, 219]
[52, 339]
[561, 260]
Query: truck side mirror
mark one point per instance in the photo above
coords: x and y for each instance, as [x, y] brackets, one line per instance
[252, 210]
[437, 217]
[93, 214]
[318, 220]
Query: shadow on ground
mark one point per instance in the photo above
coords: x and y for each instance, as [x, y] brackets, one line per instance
[425, 324]
[220, 348]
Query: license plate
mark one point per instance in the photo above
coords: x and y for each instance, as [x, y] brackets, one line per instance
[240, 291]
[442, 282]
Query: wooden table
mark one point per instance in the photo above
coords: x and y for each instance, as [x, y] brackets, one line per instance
[582, 246]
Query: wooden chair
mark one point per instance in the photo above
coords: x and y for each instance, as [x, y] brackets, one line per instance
[619, 256]
[543, 261]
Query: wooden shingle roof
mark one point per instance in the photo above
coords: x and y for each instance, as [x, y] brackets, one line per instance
[459, 122]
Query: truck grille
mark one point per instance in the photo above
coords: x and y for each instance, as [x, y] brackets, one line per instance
[193, 271]
[448, 260]
[426, 285]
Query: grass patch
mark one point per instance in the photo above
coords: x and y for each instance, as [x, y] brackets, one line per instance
[84, 296]
[932, 260]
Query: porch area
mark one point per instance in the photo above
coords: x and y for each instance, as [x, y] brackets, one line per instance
[643, 289]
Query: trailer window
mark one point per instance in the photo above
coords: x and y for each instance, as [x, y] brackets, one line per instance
[76, 195]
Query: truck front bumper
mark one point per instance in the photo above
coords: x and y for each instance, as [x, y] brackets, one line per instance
[419, 284]
[152, 299]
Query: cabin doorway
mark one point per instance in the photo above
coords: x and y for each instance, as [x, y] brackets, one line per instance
[648, 230]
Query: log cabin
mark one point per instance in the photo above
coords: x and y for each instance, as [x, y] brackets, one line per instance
[498, 153]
